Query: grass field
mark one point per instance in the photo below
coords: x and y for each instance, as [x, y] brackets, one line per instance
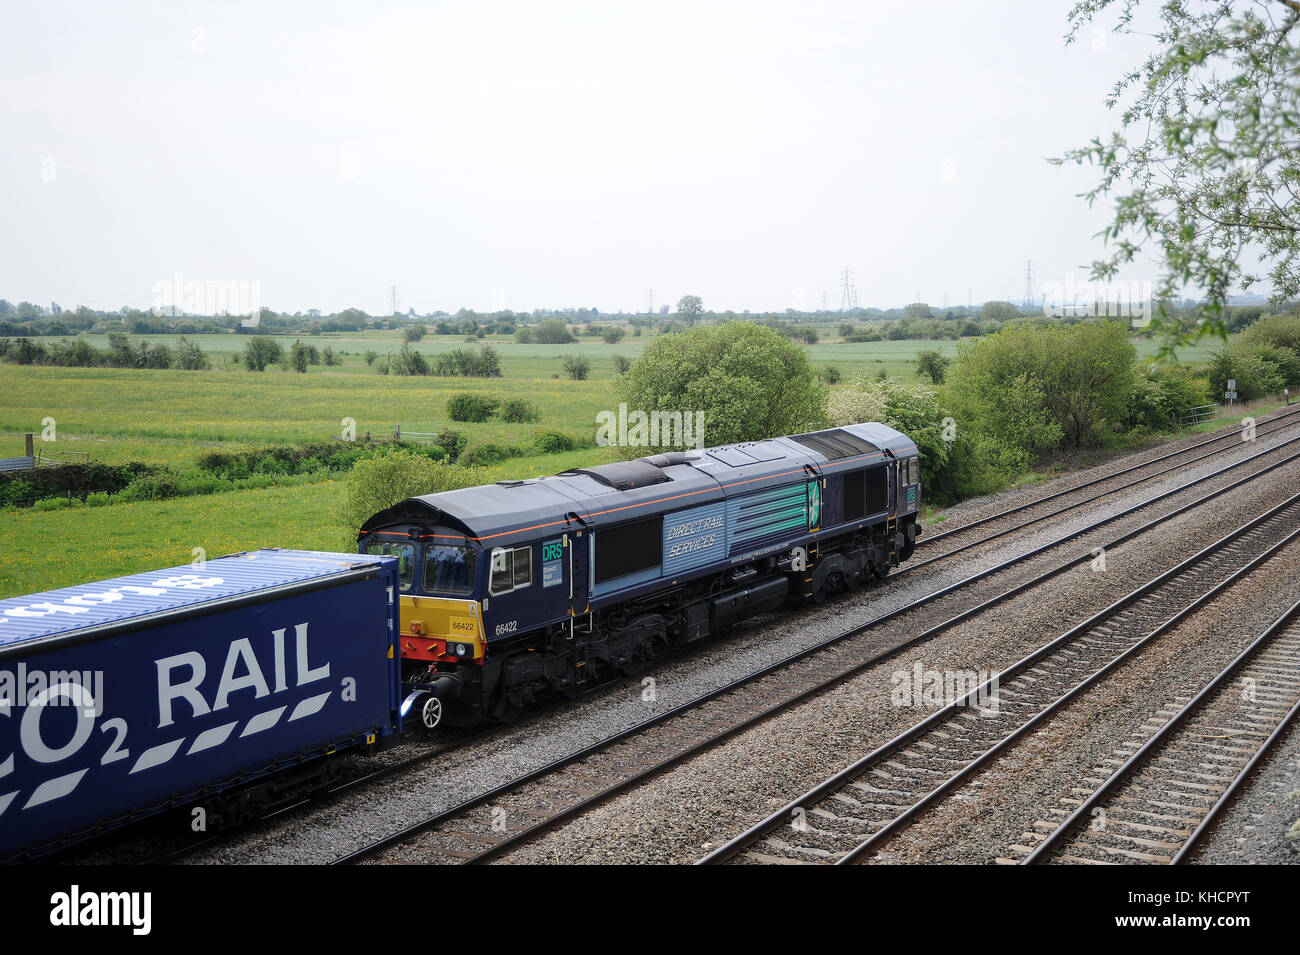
[170, 417]
[45, 550]
[163, 416]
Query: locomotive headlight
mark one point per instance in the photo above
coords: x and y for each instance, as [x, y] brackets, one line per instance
[462, 650]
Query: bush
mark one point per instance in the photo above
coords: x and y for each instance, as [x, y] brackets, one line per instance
[471, 407]
[270, 465]
[383, 480]
[408, 361]
[98, 499]
[53, 503]
[487, 453]
[152, 487]
[549, 441]
[1031, 388]
[519, 411]
[577, 367]
[484, 363]
[1161, 397]
[260, 351]
[452, 442]
[621, 365]
[1256, 376]
[17, 492]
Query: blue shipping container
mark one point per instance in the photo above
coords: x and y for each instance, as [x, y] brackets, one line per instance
[123, 697]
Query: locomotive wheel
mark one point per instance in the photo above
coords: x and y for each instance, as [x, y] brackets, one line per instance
[431, 713]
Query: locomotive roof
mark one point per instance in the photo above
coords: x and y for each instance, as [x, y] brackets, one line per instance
[514, 511]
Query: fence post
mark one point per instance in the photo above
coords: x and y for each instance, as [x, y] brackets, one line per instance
[31, 450]
[397, 432]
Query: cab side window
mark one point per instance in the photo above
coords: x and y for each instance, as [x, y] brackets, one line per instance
[511, 569]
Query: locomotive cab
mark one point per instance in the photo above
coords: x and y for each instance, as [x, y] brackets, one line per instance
[441, 575]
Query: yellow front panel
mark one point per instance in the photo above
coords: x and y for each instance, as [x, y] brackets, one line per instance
[443, 618]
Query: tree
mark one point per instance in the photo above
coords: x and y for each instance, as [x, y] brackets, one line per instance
[932, 364]
[381, 481]
[552, 331]
[120, 352]
[409, 362]
[188, 355]
[1206, 164]
[613, 335]
[918, 310]
[414, 333]
[260, 351]
[998, 312]
[299, 357]
[690, 308]
[746, 379]
[1032, 388]
[577, 367]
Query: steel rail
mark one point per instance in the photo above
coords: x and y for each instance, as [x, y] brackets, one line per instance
[461, 808]
[1277, 416]
[1178, 721]
[914, 566]
[837, 781]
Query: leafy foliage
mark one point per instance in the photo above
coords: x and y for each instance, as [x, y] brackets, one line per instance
[577, 367]
[933, 365]
[381, 481]
[1030, 388]
[519, 411]
[471, 407]
[260, 351]
[748, 381]
[1207, 161]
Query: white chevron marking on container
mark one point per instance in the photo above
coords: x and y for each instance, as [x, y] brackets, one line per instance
[157, 755]
[5, 800]
[56, 788]
[309, 707]
[210, 738]
[263, 721]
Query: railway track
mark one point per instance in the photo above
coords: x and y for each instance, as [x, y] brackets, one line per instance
[484, 827]
[853, 813]
[1163, 799]
[190, 848]
[1279, 422]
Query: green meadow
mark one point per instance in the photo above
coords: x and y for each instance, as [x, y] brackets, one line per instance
[171, 417]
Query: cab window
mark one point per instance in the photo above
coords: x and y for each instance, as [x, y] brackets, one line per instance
[448, 570]
[511, 569]
[405, 554]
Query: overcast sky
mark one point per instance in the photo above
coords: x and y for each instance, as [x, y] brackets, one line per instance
[546, 154]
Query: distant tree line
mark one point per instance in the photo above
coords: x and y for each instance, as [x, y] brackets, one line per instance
[120, 353]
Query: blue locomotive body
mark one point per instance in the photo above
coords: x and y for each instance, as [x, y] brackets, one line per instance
[524, 587]
[121, 698]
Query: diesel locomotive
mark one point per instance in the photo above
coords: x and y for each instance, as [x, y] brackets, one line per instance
[521, 589]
